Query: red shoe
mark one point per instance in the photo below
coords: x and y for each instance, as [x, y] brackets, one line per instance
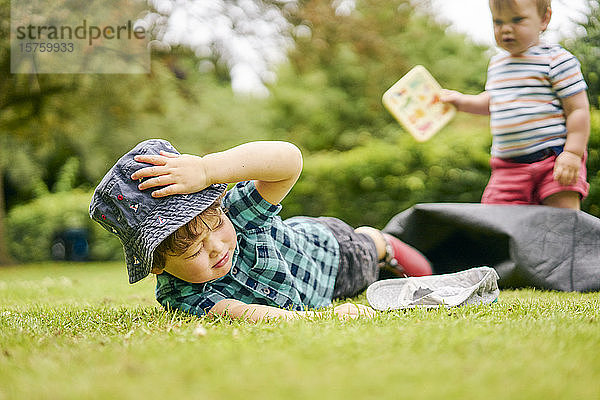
[404, 260]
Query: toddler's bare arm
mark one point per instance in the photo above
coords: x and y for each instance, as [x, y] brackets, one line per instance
[577, 112]
[474, 104]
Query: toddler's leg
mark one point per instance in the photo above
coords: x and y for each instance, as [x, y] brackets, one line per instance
[551, 193]
[404, 259]
[564, 200]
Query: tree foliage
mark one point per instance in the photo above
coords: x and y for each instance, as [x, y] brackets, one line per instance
[587, 49]
[241, 39]
[329, 96]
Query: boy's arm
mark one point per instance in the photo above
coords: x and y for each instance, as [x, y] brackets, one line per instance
[474, 104]
[275, 166]
[257, 312]
[577, 113]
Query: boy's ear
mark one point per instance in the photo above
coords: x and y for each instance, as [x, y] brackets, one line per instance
[157, 271]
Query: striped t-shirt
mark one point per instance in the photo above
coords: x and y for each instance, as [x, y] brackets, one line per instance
[525, 92]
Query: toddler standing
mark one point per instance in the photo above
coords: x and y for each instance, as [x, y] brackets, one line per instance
[539, 112]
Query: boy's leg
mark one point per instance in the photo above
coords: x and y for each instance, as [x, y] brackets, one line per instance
[358, 266]
[377, 237]
[403, 259]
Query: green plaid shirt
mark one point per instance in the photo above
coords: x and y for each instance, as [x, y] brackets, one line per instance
[290, 264]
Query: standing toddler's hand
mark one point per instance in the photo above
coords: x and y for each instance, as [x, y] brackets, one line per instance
[450, 96]
[566, 168]
[175, 173]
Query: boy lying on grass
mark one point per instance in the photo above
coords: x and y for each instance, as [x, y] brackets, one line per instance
[230, 253]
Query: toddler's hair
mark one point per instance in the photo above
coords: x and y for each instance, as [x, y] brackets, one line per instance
[542, 5]
[178, 242]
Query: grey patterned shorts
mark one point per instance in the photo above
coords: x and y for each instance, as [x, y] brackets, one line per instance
[358, 259]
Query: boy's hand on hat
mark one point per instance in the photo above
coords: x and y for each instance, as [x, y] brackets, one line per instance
[566, 168]
[173, 173]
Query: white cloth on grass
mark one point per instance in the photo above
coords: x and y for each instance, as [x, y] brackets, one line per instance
[473, 286]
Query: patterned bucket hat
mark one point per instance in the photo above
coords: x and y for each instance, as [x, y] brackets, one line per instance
[141, 221]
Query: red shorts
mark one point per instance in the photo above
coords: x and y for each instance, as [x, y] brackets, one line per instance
[516, 183]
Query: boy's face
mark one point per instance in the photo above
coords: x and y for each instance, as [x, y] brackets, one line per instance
[209, 257]
[517, 27]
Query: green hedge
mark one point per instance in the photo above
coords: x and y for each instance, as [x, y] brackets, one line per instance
[364, 186]
[371, 183]
[32, 226]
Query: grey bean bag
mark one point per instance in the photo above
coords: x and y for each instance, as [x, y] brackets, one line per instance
[528, 246]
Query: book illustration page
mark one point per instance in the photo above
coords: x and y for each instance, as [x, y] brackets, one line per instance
[415, 102]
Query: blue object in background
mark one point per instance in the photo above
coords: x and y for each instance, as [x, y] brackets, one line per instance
[71, 245]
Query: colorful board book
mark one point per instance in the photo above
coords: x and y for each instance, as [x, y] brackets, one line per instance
[415, 102]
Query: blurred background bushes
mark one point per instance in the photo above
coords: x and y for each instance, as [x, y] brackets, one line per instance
[59, 134]
[366, 185]
[33, 228]
[375, 180]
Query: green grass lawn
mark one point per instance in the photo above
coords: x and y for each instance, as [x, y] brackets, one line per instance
[80, 331]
